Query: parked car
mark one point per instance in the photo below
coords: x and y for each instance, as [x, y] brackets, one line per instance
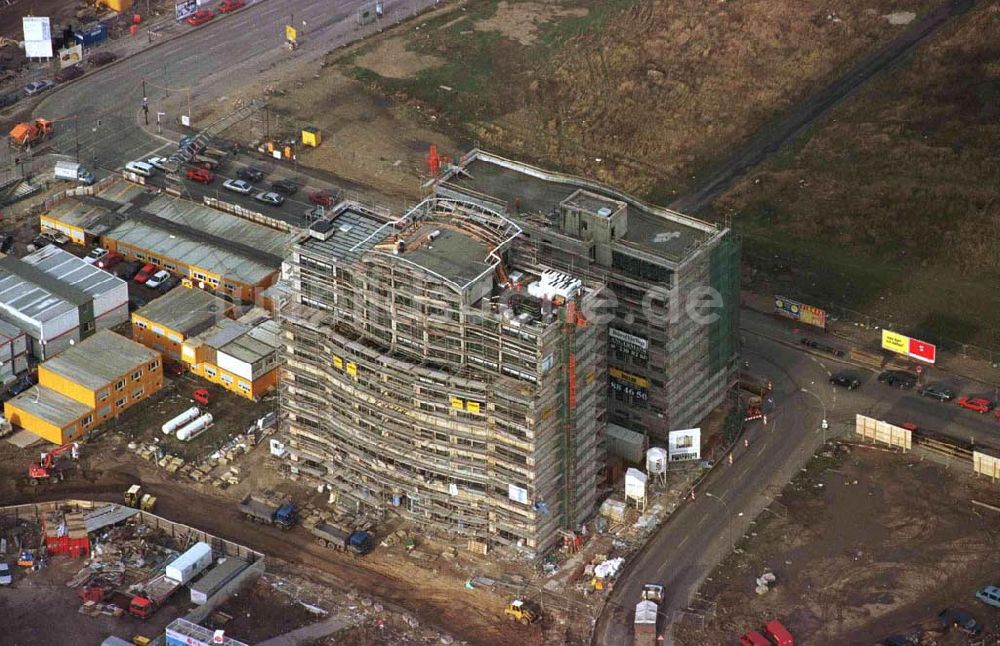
[939, 392]
[22, 384]
[69, 73]
[238, 186]
[990, 595]
[97, 253]
[200, 17]
[250, 174]
[50, 237]
[961, 619]
[978, 404]
[898, 378]
[169, 284]
[157, 279]
[5, 577]
[37, 87]
[816, 345]
[845, 380]
[270, 197]
[323, 198]
[144, 273]
[159, 163]
[173, 368]
[6, 242]
[102, 58]
[200, 175]
[314, 213]
[231, 5]
[140, 168]
[285, 186]
[127, 271]
[110, 260]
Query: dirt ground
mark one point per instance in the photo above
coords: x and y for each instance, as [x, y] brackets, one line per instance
[864, 544]
[260, 612]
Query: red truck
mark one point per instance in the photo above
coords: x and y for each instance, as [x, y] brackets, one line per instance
[154, 593]
[778, 633]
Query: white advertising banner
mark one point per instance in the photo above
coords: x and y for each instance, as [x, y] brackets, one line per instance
[37, 37]
[684, 445]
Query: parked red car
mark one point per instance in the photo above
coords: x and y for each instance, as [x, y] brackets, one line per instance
[201, 396]
[322, 198]
[110, 260]
[200, 17]
[231, 5]
[144, 273]
[978, 404]
[202, 175]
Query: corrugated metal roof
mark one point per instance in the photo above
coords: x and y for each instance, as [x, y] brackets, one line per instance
[351, 226]
[107, 515]
[188, 311]
[252, 338]
[223, 225]
[100, 359]
[645, 612]
[50, 405]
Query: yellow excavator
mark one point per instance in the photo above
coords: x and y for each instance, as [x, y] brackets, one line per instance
[135, 498]
[527, 612]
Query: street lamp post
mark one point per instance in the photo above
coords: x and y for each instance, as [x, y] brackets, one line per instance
[729, 519]
[824, 425]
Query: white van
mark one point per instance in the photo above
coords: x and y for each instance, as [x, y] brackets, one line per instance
[139, 168]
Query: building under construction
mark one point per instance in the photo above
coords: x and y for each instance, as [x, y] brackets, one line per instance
[456, 363]
[427, 372]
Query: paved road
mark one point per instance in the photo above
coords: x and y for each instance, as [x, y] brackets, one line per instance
[100, 112]
[699, 535]
[775, 135]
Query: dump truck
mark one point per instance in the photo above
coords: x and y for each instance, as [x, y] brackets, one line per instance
[359, 542]
[73, 172]
[261, 511]
[645, 623]
[28, 133]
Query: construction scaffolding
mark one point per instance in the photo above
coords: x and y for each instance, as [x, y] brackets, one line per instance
[422, 376]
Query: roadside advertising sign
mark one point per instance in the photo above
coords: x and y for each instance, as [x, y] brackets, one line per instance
[70, 56]
[185, 8]
[290, 33]
[805, 314]
[913, 348]
[37, 37]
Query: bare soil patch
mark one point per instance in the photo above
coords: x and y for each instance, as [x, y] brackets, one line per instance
[863, 546]
[392, 59]
[520, 21]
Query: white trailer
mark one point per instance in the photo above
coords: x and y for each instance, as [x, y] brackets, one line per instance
[189, 564]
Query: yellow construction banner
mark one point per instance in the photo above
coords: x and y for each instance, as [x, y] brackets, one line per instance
[338, 363]
[472, 407]
[352, 369]
[895, 342]
[456, 403]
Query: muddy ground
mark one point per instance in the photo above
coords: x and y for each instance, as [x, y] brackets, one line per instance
[864, 545]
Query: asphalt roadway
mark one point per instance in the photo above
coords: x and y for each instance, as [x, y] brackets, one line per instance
[703, 530]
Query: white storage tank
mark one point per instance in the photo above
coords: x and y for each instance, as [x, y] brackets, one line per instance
[190, 564]
[656, 461]
[195, 428]
[635, 484]
[180, 420]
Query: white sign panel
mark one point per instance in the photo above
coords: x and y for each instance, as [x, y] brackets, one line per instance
[985, 464]
[517, 494]
[70, 56]
[684, 445]
[185, 8]
[37, 37]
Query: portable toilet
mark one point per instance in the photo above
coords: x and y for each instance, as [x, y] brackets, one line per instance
[311, 136]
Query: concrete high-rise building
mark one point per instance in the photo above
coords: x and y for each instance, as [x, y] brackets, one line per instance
[458, 363]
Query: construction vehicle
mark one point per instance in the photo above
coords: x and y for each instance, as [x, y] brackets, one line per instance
[527, 612]
[646, 614]
[134, 497]
[652, 592]
[28, 133]
[46, 468]
[26, 559]
[260, 511]
[359, 542]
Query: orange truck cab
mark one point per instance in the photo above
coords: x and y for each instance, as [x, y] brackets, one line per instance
[778, 633]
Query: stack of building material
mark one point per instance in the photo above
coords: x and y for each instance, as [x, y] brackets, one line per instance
[66, 533]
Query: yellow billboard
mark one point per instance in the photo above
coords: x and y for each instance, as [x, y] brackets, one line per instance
[895, 342]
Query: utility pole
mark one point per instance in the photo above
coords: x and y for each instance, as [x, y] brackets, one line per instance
[76, 127]
[145, 102]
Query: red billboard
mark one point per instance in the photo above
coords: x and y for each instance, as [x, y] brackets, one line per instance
[922, 350]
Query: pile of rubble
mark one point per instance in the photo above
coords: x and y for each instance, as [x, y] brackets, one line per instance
[210, 470]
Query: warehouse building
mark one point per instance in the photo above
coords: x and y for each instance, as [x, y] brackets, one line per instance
[241, 355]
[86, 385]
[57, 299]
[666, 370]
[217, 251]
[178, 315]
[230, 255]
[414, 380]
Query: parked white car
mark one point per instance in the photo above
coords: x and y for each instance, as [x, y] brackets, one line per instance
[140, 168]
[157, 279]
[238, 186]
[158, 162]
[95, 254]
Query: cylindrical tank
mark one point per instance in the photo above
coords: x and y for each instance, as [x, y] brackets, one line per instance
[195, 428]
[180, 420]
[656, 461]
